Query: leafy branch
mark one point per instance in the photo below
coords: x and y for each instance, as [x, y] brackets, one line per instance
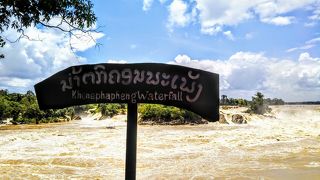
[75, 16]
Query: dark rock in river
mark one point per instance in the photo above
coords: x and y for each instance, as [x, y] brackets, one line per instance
[76, 117]
[238, 119]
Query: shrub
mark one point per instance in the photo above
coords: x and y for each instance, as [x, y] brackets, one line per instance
[110, 110]
[156, 112]
[258, 105]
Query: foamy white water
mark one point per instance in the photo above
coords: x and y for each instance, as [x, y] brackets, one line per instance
[285, 147]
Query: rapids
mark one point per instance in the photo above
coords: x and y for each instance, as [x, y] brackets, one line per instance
[283, 146]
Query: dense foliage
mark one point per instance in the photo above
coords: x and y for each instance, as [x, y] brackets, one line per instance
[233, 102]
[258, 105]
[110, 110]
[243, 102]
[106, 110]
[21, 14]
[156, 112]
[274, 101]
[24, 109]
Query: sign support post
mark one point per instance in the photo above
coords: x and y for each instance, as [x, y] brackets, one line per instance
[131, 146]
[192, 89]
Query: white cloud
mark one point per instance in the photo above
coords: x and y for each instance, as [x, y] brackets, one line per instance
[279, 20]
[162, 1]
[117, 61]
[213, 16]
[304, 47]
[182, 59]
[313, 41]
[82, 41]
[147, 4]
[307, 45]
[310, 24]
[315, 17]
[15, 82]
[273, 8]
[212, 30]
[29, 61]
[178, 15]
[306, 57]
[229, 35]
[245, 73]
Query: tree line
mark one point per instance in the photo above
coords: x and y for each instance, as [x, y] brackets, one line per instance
[24, 109]
[258, 104]
[243, 102]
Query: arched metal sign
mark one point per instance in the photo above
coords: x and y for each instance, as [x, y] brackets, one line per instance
[173, 85]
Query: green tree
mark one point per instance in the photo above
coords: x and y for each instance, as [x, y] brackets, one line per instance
[3, 93]
[16, 97]
[14, 110]
[28, 99]
[3, 108]
[258, 104]
[33, 112]
[21, 14]
[224, 99]
[24, 109]
[109, 110]
[157, 112]
[242, 102]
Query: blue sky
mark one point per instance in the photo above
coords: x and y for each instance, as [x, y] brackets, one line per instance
[135, 35]
[262, 45]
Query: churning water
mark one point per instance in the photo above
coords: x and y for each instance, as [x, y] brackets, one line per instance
[285, 147]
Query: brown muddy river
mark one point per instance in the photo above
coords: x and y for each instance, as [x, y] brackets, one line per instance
[285, 147]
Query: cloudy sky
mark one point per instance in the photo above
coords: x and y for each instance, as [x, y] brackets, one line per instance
[271, 46]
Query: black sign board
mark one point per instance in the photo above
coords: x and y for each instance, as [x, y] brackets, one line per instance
[188, 88]
[173, 85]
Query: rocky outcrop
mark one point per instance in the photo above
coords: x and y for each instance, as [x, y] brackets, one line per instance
[222, 119]
[76, 117]
[238, 119]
